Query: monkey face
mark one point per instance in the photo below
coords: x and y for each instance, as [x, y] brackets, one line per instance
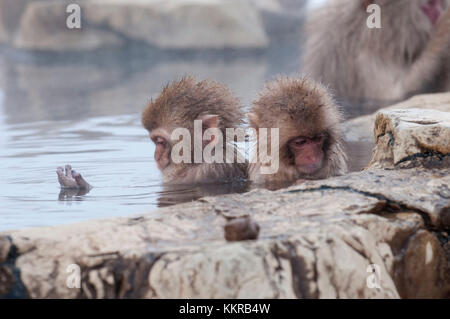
[308, 153]
[162, 148]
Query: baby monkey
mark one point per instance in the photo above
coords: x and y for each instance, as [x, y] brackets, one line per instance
[216, 109]
[309, 123]
[177, 107]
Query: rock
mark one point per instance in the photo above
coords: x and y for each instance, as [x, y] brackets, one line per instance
[358, 132]
[290, 7]
[320, 239]
[425, 190]
[413, 137]
[423, 259]
[241, 229]
[282, 19]
[176, 24]
[184, 24]
[43, 27]
[267, 5]
[360, 129]
[6, 281]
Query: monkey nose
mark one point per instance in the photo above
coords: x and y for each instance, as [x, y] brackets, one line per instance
[313, 159]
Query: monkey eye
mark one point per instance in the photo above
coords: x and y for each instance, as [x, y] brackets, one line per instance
[158, 140]
[299, 141]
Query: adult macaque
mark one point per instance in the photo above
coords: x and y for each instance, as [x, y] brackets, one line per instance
[405, 56]
[309, 122]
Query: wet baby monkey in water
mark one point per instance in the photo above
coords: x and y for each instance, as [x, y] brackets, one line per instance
[299, 112]
[309, 145]
[186, 121]
[201, 111]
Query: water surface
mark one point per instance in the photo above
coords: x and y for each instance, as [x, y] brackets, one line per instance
[84, 109]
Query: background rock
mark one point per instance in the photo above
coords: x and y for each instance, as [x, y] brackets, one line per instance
[43, 27]
[175, 24]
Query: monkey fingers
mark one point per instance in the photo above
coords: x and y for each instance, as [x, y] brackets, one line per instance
[64, 180]
[71, 179]
[68, 170]
[81, 182]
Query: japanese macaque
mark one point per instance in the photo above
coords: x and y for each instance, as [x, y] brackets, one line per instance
[309, 122]
[404, 57]
[178, 106]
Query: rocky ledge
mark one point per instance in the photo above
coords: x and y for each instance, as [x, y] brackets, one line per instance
[380, 233]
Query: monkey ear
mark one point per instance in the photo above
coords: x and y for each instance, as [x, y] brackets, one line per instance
[209, 121]
[253, 119]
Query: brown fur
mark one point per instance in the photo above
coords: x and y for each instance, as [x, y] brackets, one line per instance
[179, 104]
[404, 57]
[299, 107]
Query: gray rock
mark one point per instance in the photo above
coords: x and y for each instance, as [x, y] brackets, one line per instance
[361, 128]
[43, 27]
[176, 24]
[408, 138]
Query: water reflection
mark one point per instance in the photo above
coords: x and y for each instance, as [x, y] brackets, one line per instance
[113, 83]
[175, 194]
[72, 194]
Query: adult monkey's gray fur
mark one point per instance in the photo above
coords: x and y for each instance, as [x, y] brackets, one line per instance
[408, 55]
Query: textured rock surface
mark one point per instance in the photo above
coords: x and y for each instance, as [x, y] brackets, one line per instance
[175, 24]
[408, 138]
[359, 134]
[317, 240]
[361, 128]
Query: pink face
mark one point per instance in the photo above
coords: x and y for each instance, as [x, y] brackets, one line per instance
[308, 153]
[433, 9]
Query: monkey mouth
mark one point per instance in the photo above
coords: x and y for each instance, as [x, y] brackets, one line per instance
[433, 10]
[309, 170]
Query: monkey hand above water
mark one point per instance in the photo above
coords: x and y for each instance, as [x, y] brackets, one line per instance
[71, 179]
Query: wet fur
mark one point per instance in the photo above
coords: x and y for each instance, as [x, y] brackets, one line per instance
[299, 107]
[404, 57]
[179, 104]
